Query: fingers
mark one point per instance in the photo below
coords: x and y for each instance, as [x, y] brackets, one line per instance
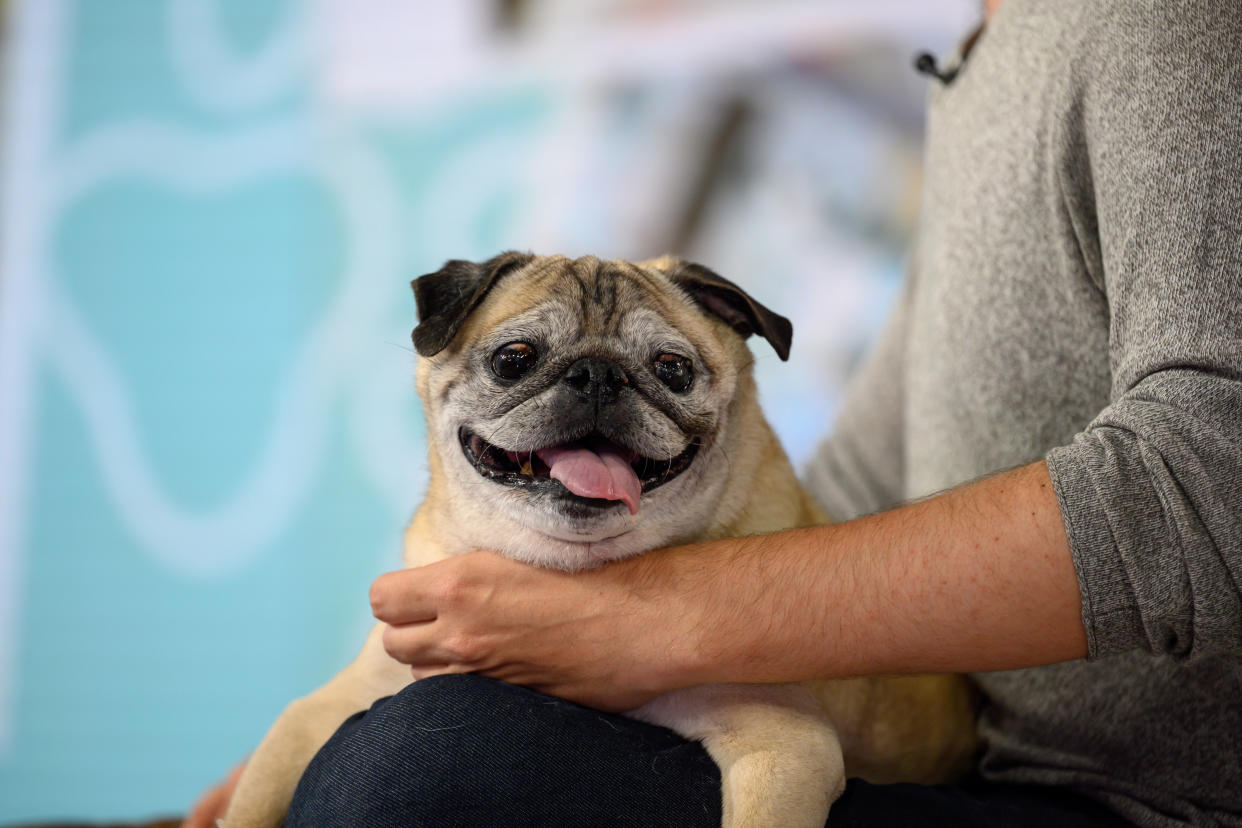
[428, 645]
[207, 810]
[455, 584]
[424, 610]
[215, 802]
[413, 644]
[407, 596]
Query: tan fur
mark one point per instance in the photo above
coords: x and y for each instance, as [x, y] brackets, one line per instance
[780, 748]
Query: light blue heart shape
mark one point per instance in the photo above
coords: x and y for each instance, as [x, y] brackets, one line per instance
[203, 303]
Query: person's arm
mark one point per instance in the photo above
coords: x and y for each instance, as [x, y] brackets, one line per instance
[1144, 528]
[1151, 489]
[979, 578]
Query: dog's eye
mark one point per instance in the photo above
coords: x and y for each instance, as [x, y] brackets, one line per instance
[512, 361]
[675, 371]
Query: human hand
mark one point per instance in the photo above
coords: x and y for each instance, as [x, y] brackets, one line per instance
[608, 638]
[213, 804]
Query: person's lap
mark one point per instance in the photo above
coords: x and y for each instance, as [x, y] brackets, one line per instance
[469, 751]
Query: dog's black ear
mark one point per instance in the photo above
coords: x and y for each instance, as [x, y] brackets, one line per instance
[720, 297]
[445, 298]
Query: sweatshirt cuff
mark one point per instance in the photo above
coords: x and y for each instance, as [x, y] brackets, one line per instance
[1110, 613]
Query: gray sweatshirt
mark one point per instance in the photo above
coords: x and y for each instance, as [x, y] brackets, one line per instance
[1076, 295]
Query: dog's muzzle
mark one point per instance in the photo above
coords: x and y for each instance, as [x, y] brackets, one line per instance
[592, 471]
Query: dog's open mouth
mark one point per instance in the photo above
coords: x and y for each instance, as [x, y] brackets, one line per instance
[594, 470]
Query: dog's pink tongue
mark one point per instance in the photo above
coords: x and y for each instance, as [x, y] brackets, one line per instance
[600, 473]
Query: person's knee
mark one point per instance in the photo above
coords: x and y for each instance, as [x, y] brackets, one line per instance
[437, 693]
[465, 750]
[400, 759]
[419, 725]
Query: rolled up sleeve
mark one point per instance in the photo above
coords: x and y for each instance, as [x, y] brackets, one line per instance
[1151, 490]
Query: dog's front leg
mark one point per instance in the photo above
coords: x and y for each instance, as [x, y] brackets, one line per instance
[779, 757]
[266, 786]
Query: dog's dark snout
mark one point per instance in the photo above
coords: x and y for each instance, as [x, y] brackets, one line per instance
[595, 378]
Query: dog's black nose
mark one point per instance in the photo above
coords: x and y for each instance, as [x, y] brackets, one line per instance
[593, 378]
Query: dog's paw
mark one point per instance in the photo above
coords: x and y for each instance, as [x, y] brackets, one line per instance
[780, 760]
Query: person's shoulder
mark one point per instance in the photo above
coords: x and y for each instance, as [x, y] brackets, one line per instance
[1171, 35]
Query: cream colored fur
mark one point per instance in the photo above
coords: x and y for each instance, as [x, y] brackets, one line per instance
[784, 751]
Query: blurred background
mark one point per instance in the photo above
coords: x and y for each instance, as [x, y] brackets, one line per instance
[209, 217]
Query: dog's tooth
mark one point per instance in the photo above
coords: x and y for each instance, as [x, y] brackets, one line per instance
[527, 470]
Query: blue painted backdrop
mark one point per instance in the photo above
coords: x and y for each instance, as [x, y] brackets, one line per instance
[219, 433]
[209, 441]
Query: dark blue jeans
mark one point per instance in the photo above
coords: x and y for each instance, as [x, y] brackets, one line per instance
[468, 751]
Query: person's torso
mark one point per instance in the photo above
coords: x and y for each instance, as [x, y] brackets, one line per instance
[1007, 356]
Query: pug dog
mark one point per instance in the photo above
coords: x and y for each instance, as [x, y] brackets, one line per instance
[580, 411]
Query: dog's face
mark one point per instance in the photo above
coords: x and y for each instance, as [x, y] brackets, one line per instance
[579, 410]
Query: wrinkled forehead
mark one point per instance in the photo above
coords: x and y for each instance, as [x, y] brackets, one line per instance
[588, 301]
